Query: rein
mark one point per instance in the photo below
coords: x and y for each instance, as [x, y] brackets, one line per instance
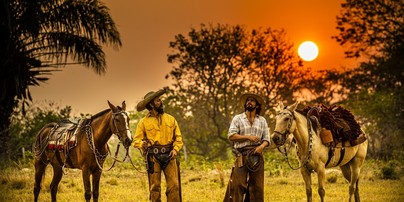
[284, 148]
[133, 165]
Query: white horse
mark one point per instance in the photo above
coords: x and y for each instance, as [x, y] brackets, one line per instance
[314, 155]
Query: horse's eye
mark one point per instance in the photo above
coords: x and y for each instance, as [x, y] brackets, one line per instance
[287, 119]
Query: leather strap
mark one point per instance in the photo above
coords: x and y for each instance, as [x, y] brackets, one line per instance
[342, 154]
[330, 155]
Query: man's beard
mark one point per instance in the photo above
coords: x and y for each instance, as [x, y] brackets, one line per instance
[160, 110]
[250, 108]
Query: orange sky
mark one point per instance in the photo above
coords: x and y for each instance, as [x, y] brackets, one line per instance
[147, 27]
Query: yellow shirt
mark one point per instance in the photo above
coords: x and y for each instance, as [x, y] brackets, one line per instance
[159, 131]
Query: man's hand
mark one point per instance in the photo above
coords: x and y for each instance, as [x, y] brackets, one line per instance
[253, 139]
[259, 149]
[144, 145]
[173, 154]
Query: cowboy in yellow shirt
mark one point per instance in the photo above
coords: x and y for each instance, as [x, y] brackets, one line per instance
[159, 138]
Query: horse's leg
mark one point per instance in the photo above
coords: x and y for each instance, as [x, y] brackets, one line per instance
[321, 182]
[57, 176]
[40, 168]
[86, 181]
[307, 181]
[96, 184]
[346, 172]
[357, 198]
[355, 165]
[351, 172]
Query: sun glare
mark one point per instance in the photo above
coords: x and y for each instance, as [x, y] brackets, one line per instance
[308, 51]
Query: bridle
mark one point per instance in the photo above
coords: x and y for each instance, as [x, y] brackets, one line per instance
[114, 114]
[289, 126]
[288, 131]
[117, 131]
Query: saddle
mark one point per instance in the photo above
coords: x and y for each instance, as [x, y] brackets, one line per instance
[63, 135]
[338, 125]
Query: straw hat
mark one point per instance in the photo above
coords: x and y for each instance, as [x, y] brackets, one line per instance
[258, 98]
[149, 97]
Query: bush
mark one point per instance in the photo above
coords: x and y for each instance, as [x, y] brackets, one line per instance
[389, 172]
[332, 178]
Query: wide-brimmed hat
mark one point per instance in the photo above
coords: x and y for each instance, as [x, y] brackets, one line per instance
[258, 98]
[149, 97]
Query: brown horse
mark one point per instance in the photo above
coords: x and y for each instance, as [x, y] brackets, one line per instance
[88, 154]
[313, 154]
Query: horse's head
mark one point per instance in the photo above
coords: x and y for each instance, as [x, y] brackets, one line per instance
[120, 124]
[285, 123]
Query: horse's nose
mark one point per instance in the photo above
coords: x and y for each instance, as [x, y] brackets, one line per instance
[128, 142]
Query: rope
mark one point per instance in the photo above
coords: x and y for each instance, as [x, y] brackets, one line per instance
[133, 165]
[260, 164]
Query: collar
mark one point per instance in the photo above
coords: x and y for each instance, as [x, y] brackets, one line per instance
[244, 115]
[150, 115]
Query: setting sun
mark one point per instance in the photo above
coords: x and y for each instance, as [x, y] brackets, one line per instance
[308, 51]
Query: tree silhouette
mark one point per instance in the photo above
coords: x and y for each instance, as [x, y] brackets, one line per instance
[375, 30]
[370, 27]
[38, 37]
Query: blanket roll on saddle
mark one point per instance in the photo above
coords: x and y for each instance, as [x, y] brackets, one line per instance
[338, 125]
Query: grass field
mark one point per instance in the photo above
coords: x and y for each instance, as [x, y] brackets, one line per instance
[201, 182]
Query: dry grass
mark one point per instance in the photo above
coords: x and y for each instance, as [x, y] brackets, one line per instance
[207, 183]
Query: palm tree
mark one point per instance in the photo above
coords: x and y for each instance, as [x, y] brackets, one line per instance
[41, 36]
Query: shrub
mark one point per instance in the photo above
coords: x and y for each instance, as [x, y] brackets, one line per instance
[388, 172]
[332, 178]
[113, 182]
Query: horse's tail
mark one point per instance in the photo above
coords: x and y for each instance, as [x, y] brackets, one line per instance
[41, 140]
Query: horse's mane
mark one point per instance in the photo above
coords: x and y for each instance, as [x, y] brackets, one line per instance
[103, 112]
[100, 113]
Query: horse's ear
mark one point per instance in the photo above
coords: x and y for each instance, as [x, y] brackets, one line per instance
[123, 106]
[279, 107]
[294, 106]
[114, 109]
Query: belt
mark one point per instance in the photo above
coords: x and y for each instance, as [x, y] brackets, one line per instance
[244, 150]
[160, 149]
